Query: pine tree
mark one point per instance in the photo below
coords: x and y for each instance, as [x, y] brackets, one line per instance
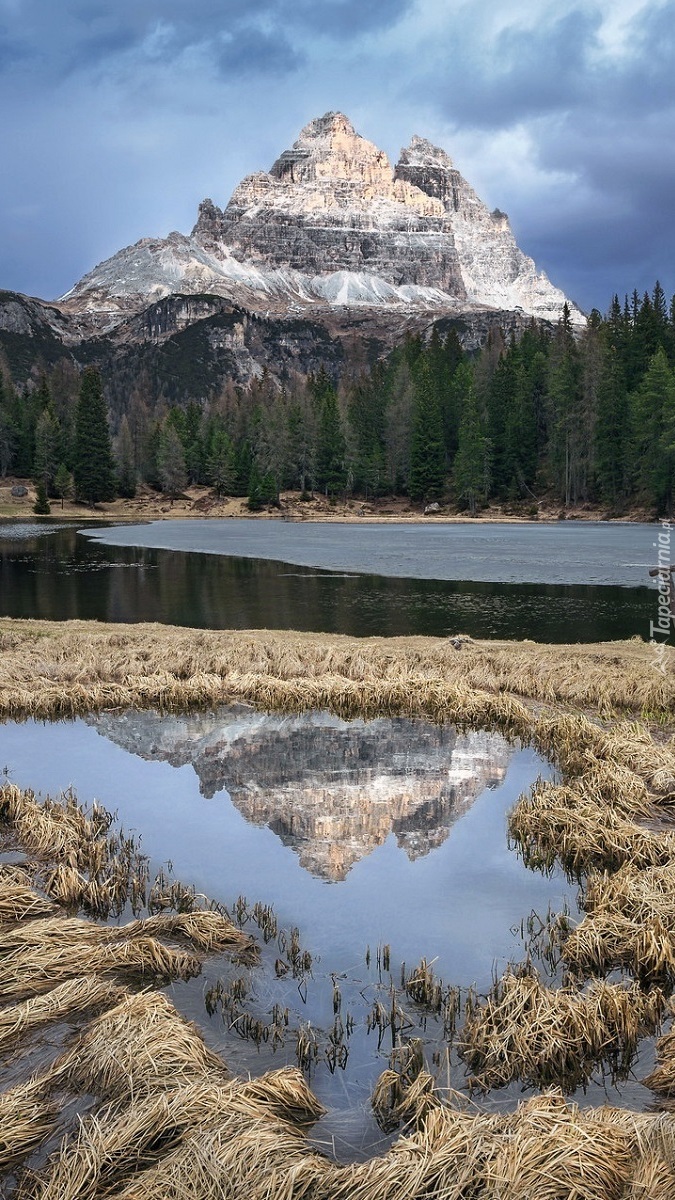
[126, 471]
[47, 447]
[653, 406]
[473, 460]
[41, 508]
[221, 466]
[64, 486]
[93, 466]
[427, 448]
[171, 461]
[331, 447]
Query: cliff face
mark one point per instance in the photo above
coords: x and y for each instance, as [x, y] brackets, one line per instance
[332, 225]
[332, 790]
[333, 244]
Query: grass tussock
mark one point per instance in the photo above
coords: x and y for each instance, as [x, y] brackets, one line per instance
[35, 970]
[56, 669]
[141, 1044]
[662, 1078]
[636, 894]
[645, 947]
[208, 931]
[560, 822]
[122, 1140]
[545, 1036]
[27, 1118]
[76, 997]
[19, 902]
[546, 1149]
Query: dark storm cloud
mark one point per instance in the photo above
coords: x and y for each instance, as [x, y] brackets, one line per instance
[251, 51]
[119, 116]
[522, 72]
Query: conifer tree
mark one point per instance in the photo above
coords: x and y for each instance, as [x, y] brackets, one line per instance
[427, 448]
[472, 466]
[93, 465]
[126, 470]
[171, 461]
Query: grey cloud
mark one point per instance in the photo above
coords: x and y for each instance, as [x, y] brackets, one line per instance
[252, 52]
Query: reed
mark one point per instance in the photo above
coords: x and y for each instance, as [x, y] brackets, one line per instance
[544, 1036]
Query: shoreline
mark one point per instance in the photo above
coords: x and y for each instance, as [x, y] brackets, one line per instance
[201, 503]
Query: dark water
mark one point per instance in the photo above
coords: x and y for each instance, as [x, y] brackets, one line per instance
[58, 573]
[361, 834]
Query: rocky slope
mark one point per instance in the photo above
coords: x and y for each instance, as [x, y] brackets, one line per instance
[332, 790]
[332, 226]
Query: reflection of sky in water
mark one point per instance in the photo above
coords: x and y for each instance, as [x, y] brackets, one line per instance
[461, 904]
[458, 903]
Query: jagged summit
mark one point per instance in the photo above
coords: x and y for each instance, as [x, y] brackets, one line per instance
[334, 226]
[420, 152]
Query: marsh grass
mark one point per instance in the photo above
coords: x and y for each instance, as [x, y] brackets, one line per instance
[56, 669]
[172, 1124]
[543, 1036]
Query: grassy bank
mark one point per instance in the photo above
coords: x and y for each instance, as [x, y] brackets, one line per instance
[52, 668]
[166, 1119]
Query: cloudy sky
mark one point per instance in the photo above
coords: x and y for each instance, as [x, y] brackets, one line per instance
[119, 116]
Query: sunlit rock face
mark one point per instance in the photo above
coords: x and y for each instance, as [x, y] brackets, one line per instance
[332, 225]
[332, 790]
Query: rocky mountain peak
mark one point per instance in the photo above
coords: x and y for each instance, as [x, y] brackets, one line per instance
[420, 152]
[330, 150]
[332, 225]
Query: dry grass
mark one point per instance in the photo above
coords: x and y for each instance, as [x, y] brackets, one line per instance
[645, 947]
[141, 1044]
[36, 970]
[563, 822]
[174, 1126]
[216, 1144]
[19, 902]
[51, 669]
[77, 997]
[27, 1117]
[204, 930]
[546, 1036]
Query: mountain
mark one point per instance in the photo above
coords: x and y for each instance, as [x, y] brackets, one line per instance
[331, 247]
[332, 225]
[330, 789]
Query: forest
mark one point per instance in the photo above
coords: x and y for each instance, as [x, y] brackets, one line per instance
[555, 415]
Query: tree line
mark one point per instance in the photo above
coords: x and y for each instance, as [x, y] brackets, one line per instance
[573, 418]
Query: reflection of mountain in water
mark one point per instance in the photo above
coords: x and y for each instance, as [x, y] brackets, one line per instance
[331, 789]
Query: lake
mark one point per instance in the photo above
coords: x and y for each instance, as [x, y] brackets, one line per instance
[561, 582]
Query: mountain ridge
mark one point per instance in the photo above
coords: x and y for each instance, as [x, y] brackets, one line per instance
[332, 223]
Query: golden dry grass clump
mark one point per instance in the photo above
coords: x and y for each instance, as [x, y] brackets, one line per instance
[646, 947]
[662, 1078]
[220, 1144]
[205, 930]
[75, 997]
[556, 821]
[545, 1036]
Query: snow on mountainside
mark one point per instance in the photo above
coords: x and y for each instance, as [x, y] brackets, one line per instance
[333, 225]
